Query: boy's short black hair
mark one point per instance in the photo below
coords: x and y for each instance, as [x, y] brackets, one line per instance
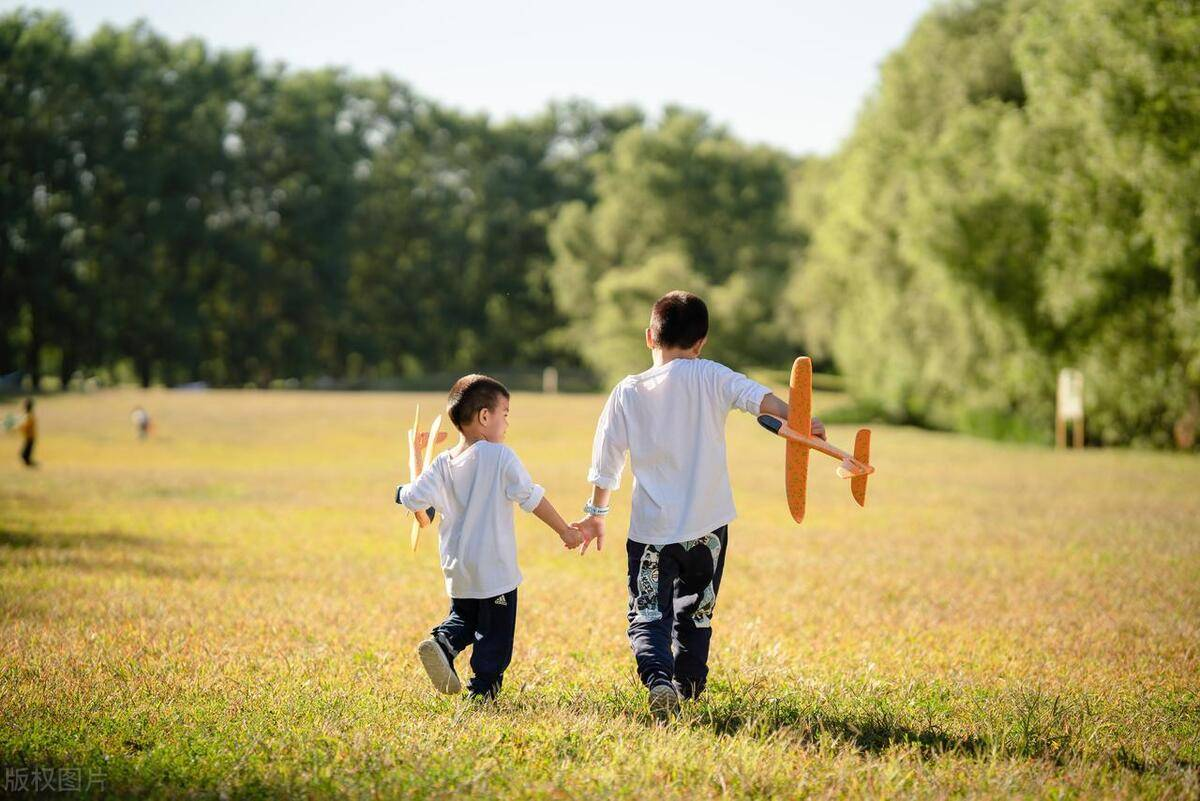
[470, 395]
[679, 320]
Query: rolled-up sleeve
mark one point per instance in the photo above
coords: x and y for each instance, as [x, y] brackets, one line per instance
[610, 444]
[737, 391]
[518, 485]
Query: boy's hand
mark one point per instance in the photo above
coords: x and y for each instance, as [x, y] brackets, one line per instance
[420, 443]
[571, 537]
[774, 406]
[592, 528]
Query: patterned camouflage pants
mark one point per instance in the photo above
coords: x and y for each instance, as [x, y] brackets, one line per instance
[672, 595]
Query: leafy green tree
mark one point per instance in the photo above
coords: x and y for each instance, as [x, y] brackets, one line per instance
[1119, 82]
[681, 202]
[41, 155]
[884, 288]
[453, 229]
[156, 112]
[1031, 209]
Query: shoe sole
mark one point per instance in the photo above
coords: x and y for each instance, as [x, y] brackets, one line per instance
[664, 702]
[434, 660]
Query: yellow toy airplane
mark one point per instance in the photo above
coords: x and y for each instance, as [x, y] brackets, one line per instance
[797, 430]
[420, 453]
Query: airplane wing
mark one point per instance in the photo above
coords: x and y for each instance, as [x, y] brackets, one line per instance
[800, 420]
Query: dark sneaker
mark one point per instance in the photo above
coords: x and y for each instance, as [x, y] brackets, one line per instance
[664, 701]
[439, 667]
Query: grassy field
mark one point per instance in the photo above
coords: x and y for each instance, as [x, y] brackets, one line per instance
[230, 609]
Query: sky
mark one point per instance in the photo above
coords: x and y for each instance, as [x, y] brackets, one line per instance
[789, 74]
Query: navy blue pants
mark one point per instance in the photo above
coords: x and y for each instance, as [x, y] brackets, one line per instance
[488, 625]
[672, 595]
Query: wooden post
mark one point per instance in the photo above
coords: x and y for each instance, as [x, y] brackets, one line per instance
[1069, 408]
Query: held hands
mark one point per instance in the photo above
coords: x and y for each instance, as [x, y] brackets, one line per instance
[818, 428]
[567, 532]
[592, 528]
[571, 537]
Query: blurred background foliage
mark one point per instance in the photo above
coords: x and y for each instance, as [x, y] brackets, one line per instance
[1021, 192]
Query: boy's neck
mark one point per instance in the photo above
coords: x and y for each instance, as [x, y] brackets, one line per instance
[469, 438]
[663, 355]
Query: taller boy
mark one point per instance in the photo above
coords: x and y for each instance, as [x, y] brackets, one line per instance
[671, 420]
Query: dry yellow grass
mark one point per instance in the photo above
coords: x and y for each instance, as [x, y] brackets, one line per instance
[230, 609]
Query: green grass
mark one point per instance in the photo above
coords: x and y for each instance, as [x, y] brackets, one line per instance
[230, 610]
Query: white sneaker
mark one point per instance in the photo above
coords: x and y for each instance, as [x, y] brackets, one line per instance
[664, 701]
[438, 666]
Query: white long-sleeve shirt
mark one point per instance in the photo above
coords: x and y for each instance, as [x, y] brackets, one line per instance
[671, 420]
[474, 493]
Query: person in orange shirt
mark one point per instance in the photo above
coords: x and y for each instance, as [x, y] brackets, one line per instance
[28, 428]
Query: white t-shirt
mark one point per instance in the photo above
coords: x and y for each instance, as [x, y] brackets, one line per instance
[474, 493]
[671, 419]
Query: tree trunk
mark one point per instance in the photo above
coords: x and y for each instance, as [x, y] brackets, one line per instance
[144, 371]
[66, 367]
[33, 361]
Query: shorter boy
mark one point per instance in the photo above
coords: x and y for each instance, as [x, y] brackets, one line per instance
[474, 486]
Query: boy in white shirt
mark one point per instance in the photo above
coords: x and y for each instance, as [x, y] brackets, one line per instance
[671, 420]
[474, 486]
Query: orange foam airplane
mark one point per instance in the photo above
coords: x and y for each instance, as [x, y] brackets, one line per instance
[797, 430]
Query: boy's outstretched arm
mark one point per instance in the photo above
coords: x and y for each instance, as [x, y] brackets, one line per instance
[546, 512]
[773, 405]
[520, 489]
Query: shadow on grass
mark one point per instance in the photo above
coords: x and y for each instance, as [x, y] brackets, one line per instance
[108, 551]
[867, 734]
[1038, 726]
[10, 538]
[1132, 762]
[727, 711]
[871, 735]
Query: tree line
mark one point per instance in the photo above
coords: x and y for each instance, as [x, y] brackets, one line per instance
[198, 215]
[1021, 193]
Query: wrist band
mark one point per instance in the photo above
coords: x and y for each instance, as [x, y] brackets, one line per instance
[594, 511]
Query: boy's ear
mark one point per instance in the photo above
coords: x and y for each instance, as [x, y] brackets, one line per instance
[649, 340]
[699, 346]
[482, 416]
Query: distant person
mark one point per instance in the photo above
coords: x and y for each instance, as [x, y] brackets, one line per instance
[141, 422]
[27, 426]
[671, 421]
[474, 485]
